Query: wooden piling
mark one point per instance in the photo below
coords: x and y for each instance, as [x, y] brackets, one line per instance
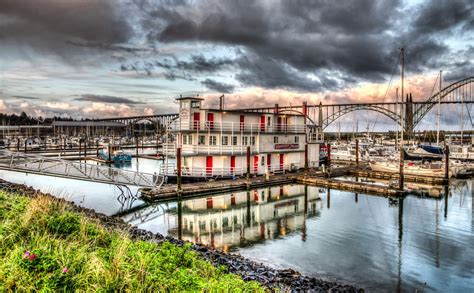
[136, 145]
[248, 162]
[401, 181]
[446, 162]
[110, 152]
[306, 157]
[178, 170]
[329, 155]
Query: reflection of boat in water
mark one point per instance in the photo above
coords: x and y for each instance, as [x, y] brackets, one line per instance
[413, 188]
[240, 218]
[243, 218]
[117, 156]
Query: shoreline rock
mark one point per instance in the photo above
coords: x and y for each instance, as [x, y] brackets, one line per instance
[283, 279]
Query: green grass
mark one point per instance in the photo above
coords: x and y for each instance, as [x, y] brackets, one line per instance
[46, 246]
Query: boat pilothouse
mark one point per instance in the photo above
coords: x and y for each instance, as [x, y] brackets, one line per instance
[214, 142]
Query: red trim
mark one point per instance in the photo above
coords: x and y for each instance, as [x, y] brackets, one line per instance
[262, 123]
[209, 166]
[269, 160]
[196, 119]
[242, 122]
[232, 164]
[209, 203]
[255, 164]
[210, 120]
[281, 161]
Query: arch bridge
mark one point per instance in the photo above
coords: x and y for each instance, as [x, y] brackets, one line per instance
[459, 92]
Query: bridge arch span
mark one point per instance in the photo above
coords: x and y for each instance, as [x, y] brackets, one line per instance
[346, 109]
[422, 110]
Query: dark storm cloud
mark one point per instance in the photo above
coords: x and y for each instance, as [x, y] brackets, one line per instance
[106, 99]
[198, 63]
[350, 40]
[27, 97]
[172, 68]
[306, 36]
[444, 15]
[50, 25]
[218, 86]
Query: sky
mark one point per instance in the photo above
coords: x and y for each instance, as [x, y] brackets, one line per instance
[110, 58]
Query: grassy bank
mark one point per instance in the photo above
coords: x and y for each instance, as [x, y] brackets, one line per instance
[44, 245]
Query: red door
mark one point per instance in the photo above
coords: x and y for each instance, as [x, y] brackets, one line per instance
[232, 164]
[269, 162]
[210, 120]
[209, 166]
[210, 203]
[196, 119]
[281, 161]
[262, 123]
[255, 164]
[242, 121]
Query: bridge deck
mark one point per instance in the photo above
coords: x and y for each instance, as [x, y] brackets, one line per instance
[30, 163]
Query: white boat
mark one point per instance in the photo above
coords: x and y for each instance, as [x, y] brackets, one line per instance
[411, 168]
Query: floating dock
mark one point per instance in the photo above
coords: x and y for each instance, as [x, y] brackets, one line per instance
[318, 178]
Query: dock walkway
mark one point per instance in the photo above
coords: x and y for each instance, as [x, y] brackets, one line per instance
[329, 179]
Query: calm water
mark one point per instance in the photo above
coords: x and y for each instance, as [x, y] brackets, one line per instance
[381, 245]
[103, 198]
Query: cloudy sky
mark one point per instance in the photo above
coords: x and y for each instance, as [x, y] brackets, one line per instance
[106, 58]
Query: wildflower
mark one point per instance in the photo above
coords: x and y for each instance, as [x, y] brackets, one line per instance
[65, 270]
[26, 254]
[32, 257]
[177, 269]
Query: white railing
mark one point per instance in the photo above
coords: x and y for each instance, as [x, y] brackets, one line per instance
[170, 170]
[55, 167]
[170, 150]
[238, 127]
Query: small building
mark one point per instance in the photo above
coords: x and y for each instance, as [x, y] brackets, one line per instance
[215, 142]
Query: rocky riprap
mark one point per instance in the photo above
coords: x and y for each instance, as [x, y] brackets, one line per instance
[281, 279]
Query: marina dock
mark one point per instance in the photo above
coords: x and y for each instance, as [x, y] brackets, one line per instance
[316, 178]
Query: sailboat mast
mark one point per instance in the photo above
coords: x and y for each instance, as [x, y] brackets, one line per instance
[462, 119]
[396, 111]
[402, 52]
[401, 182]
[439, 105]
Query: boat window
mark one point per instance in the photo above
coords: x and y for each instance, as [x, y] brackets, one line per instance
[245, 140]
[202, 140]
[297, 139]
[275, 139]
[212, 140]
[234, 140]
[252, 140]
[225, 140]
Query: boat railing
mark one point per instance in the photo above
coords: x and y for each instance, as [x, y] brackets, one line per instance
[237, 127]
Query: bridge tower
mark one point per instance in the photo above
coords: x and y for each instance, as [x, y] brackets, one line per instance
[320, 121]
[409, 114]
